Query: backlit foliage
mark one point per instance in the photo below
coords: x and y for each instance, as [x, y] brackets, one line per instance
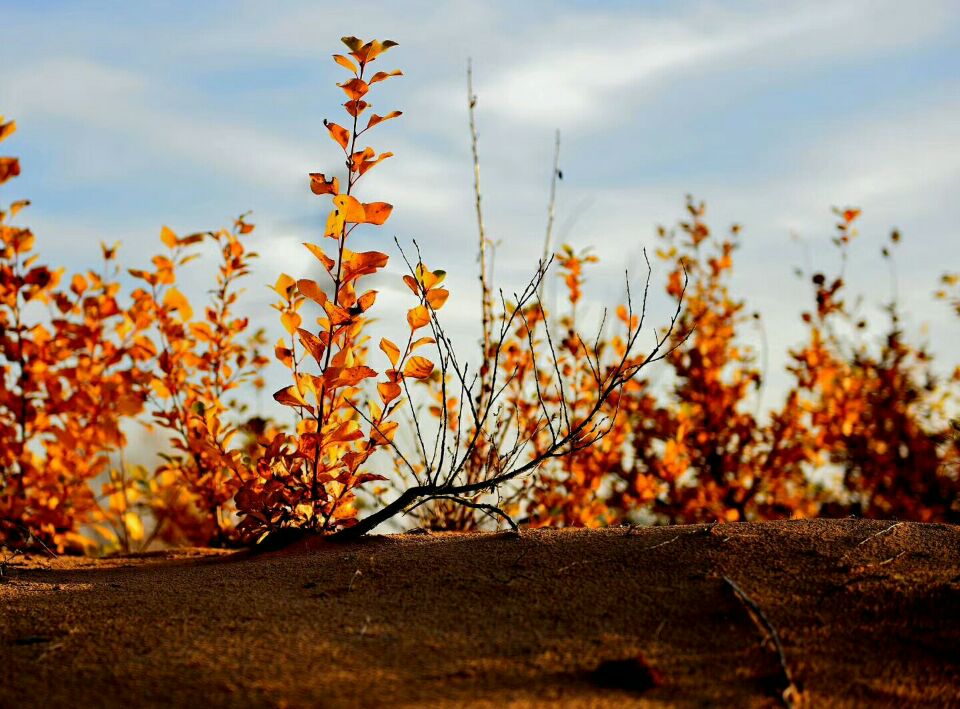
[72, 371]
[200, 358]
[551, 425]
[879, 416]
[308, 480]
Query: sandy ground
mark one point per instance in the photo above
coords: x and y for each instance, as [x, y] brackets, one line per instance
[868, 614]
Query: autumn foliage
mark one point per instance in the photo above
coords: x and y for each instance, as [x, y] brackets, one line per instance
[554, 424]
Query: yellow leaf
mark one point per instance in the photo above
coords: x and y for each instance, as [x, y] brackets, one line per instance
[168, 238]
[345, 63]
[134, 526]
[291, 321]
[350, 208]
[283, 285]
[175, 300]
[391, 350]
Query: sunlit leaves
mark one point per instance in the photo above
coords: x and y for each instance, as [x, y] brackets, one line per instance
[354, 265]
[330, 444]
[291, 396]
[369, 51]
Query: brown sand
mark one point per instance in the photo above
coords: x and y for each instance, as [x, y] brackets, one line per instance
[490, 620]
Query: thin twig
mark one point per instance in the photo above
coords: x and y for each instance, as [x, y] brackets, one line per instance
[663, 544]
[886, 530]
[551, 208]
[760, 618]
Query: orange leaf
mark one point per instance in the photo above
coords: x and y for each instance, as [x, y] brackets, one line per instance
[361, 264]
[168, 238]
[328, 263]
[375, 119]
[340, 134]
[351, 376]
[7, 129]
[313, 344]
[290, 321]
[79, 284]
[290, 396]
[388, 391]
[355, 89]
[319, 184]
[381, 436]
[377, 212]
[9, 168]
[382, 75]
[368, 164]
[391, 350]
[437, 297]
[345, 63]
[355, 108]
[371, 50]
[418, 367]
[312, 291]
[418, 317]
[412, 284]
[366, 300]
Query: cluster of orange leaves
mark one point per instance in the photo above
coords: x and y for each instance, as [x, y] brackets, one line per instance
[308, 480]
[877, 417]
[82, 360]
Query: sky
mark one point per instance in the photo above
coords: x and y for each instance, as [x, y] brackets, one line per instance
[136, 115]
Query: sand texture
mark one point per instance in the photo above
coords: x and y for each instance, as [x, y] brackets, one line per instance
[868, 614]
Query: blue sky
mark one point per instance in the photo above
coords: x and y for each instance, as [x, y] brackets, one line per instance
[134, 115]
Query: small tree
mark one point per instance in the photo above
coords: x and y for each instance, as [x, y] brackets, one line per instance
[309, 481]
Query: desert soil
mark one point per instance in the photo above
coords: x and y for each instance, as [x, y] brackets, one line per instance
[867, 613]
